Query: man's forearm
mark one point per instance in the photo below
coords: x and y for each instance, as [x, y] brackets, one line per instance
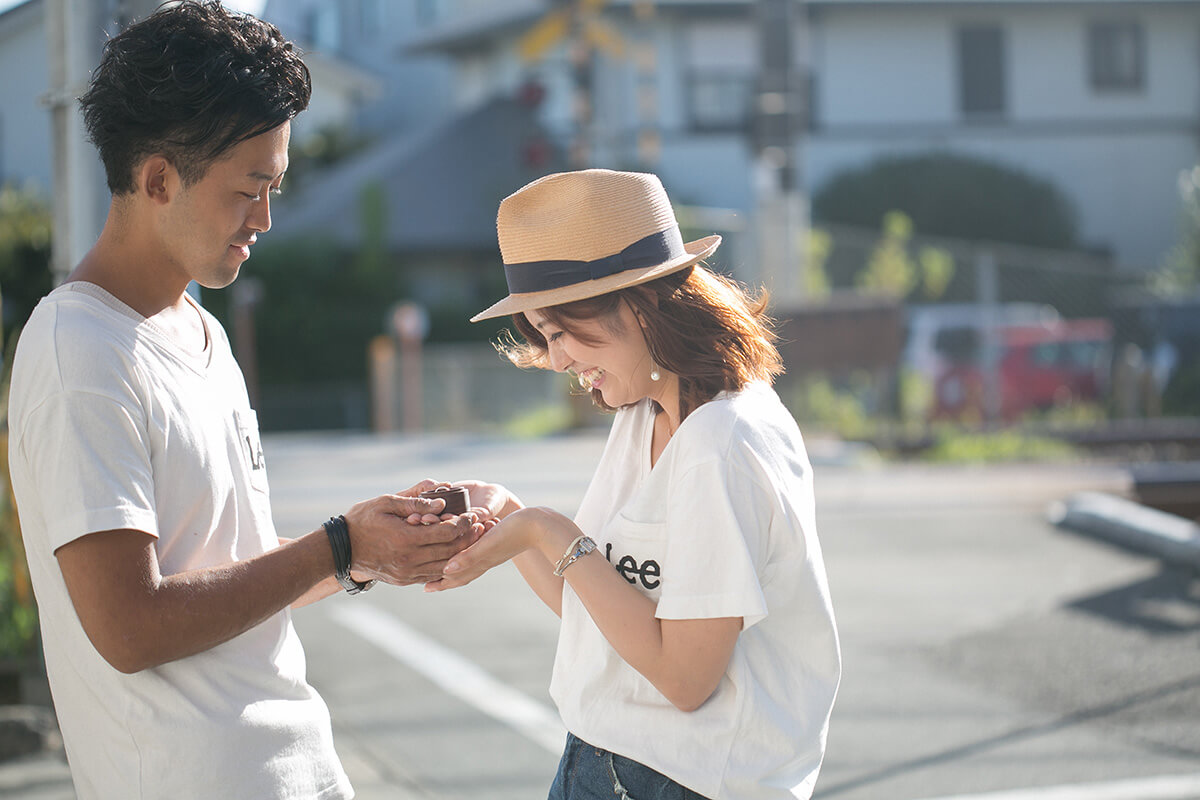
[138, 619]
[326, 588]
[202, 609]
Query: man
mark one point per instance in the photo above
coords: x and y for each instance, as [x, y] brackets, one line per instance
[163, 589]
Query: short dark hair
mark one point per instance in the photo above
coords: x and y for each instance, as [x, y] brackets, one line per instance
[706, 328]
[190, 82]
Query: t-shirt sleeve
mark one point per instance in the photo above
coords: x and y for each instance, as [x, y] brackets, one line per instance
[717, 523]
[89, 456]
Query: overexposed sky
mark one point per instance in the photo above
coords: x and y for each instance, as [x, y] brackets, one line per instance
[249, 6]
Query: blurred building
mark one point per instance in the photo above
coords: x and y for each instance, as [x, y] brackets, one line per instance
[1101, 98]
[25, 138]
[430, 197]
[434, 166]
[408, 92]
[340, 90]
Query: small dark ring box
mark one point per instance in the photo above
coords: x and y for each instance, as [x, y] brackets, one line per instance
[456, 499]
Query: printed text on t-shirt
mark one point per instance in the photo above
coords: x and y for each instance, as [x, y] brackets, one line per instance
[628, 567]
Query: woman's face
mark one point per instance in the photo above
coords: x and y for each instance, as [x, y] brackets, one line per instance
[608, 355]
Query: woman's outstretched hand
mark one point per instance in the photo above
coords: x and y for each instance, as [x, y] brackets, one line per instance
[489, 501]
[519, 531]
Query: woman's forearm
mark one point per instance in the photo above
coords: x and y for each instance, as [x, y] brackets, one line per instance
[684, 659]
[534, 568]
[539, 574]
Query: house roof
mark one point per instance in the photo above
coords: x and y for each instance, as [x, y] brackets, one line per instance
[342, 74]
[441, 189]
[20, 15]
[470, 31]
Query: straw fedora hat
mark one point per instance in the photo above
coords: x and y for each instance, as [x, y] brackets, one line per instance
[575, 235]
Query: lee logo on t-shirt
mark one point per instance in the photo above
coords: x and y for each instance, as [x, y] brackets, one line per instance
[648, 572]
[257, 459]
[247, 431]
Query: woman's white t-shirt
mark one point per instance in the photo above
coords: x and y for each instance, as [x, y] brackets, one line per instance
[723, 525]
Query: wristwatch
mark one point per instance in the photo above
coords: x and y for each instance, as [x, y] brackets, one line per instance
[578, 549]
[339, 541]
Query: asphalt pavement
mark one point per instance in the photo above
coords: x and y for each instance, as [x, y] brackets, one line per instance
[988, 654]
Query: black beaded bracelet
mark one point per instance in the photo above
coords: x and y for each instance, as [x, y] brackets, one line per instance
[339, 541]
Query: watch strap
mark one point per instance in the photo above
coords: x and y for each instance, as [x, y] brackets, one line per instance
[578, 549]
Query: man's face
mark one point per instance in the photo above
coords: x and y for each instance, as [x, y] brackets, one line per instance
[211, 224]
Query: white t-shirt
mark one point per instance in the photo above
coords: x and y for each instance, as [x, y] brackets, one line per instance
[112, 425]
[722, 526]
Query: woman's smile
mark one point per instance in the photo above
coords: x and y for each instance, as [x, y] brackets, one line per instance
[591, 378]
[605, 354]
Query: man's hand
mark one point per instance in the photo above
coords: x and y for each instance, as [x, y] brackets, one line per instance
[400, 538]
[424, 511]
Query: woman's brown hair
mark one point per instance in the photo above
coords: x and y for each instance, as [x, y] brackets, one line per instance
[706, 328]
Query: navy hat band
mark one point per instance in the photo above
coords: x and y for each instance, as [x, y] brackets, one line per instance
[650, 251]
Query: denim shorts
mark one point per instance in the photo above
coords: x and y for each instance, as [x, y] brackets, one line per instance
[589, 773]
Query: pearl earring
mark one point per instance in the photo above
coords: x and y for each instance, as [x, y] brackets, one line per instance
[654, 374]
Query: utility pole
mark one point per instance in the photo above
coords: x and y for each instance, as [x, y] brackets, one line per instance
[579, 23]
[648, 145]
[779, 118]
[581, 57]
[72, 42]
[75, 34]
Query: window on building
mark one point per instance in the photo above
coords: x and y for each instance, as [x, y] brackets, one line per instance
[1116, 55]
[718, 100]
[981, 81]
[720, 62]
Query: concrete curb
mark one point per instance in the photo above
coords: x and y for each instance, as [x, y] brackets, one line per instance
[1124, 522]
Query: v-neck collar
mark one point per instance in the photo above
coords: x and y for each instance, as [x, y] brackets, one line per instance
[199, 361]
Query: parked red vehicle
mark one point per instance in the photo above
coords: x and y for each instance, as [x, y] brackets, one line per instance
[1038, 367]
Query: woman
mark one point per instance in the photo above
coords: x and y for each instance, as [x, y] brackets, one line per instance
[698, 655]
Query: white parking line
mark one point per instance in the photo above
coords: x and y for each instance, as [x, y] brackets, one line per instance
[454, 674]
[1164, 787]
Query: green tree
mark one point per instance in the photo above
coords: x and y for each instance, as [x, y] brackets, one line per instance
[1180, 273]
[25, 277]
[816, 279]
[321, 303]
[892, 270]
[25, 228]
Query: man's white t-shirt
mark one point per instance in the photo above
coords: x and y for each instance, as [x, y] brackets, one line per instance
[112, 425]
[722, 526]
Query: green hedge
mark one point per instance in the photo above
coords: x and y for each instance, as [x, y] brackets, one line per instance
[951, 195]
[319, 309]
